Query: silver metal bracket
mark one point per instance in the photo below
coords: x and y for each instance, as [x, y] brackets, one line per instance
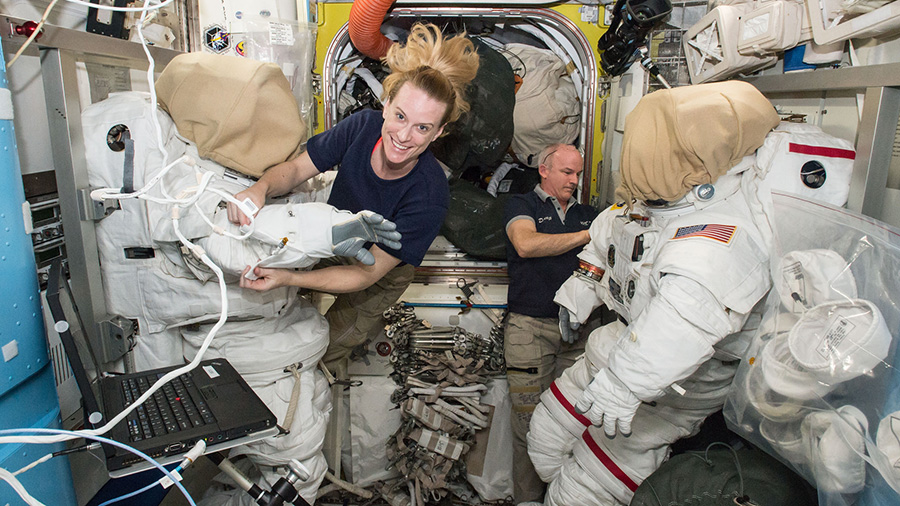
[91, 210]
[116, 335]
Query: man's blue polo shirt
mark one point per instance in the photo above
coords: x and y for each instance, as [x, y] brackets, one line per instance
[534, 281]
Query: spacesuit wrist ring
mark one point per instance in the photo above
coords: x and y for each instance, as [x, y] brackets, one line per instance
[590, 271]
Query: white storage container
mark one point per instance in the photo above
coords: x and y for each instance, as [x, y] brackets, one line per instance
[830, 24]
[711, 46]
[771, 28]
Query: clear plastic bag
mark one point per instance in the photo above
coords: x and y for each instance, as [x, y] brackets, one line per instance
[818, 389]
[292, 45]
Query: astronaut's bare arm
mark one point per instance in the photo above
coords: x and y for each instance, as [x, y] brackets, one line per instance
[530, 243]
[278, 180]
[335, 279]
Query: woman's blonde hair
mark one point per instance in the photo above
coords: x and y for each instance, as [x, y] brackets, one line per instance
[441, 67]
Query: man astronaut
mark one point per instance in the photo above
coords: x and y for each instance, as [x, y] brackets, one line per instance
[683, 261]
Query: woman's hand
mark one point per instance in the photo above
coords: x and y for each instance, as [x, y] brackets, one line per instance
[266, 279]
[257, 194]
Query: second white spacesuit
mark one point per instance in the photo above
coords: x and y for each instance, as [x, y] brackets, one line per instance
[684, 272]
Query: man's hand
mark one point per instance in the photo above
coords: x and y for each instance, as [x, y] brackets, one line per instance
[568, 325]
[608, 402]
[349, 238]
[256, 194]
[266, 279]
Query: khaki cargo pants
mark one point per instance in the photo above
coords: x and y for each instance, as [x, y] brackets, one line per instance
[356, 316]
[535, 356]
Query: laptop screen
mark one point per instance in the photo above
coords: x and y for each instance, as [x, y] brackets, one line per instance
[70, 328]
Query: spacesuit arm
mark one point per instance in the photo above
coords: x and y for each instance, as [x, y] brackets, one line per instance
[674, 334]
[669, 340]
[298, 235]
[583, 292]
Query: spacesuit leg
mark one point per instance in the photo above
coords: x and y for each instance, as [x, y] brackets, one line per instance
[617, 466]
[555, 426]
[353, 316]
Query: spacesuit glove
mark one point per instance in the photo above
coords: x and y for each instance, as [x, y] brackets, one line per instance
[349, 237]
[568, 325]
[580, 296]
[608, 402]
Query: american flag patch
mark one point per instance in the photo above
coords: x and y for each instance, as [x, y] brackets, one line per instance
[721, 233]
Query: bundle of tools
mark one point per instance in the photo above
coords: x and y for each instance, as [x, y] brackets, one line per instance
[442, 373]
[419, 346]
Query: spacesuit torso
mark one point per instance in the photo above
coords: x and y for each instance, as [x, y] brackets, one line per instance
[713, 242]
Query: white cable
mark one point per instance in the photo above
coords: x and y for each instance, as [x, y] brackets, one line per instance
[16, 485]
[154, 118]
[113, 193]
[37, 30]
[143, 9]
[198, 251]
[6, 437]
[34, 34]
[41, 460]
[244, 209]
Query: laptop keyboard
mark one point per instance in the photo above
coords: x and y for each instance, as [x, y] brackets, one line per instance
[176, 406]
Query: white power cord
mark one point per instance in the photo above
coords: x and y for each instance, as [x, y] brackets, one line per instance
[31, 501]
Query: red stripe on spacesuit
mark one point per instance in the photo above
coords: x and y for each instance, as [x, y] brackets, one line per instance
[805, 149]
[610, 465]
[566, 404]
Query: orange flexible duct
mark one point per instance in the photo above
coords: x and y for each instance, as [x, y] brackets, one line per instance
[366, 17]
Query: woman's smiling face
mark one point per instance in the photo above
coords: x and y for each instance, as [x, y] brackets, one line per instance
[412, 120]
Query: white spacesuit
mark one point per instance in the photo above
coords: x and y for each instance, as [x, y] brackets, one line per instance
[684, 275]
[274, 338]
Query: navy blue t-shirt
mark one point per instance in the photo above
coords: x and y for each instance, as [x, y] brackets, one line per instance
[416, 202]
[533, 282]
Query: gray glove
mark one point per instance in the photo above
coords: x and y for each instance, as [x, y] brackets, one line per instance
[568, 325]
[349, 238]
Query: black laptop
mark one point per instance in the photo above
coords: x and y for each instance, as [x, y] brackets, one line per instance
[211, 402]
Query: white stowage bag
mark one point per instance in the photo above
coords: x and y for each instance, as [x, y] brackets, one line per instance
[495, 481]
[547, 110]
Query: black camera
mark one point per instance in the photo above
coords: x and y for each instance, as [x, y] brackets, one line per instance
[629, 29]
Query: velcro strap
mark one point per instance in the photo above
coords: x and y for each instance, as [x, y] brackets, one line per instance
[128, 169]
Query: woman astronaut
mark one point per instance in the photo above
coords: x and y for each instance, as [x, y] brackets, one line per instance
[683, 262]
